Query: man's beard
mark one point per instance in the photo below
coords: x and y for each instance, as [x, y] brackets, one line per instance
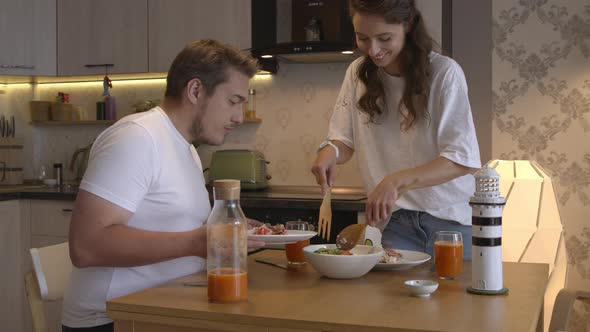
[197, 127]
[199, 134]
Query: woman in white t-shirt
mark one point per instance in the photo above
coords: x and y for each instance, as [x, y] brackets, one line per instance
[404, 110]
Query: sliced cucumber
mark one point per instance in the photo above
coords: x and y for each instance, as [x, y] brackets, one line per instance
[368, 242]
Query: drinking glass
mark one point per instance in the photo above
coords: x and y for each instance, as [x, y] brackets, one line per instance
[448, 254]
[294, 251]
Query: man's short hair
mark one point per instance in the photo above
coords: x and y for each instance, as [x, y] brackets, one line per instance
[209, 61]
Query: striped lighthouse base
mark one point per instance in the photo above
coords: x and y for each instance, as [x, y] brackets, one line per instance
[486, 274]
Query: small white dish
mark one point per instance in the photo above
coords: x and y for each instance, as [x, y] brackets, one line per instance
[421, 288]
[50, 182]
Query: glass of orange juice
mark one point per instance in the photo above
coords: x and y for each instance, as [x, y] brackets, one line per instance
[294, 251]
[448, 254]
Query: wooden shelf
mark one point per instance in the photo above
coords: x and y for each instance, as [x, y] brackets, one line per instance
[73, 123]
[101, 122]
[252, 120]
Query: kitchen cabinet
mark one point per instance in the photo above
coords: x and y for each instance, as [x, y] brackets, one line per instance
[174, 23]
[43, 223]
[93, 33]
[50, 224]
[11, 279]
[85, 35]
[27, 37]
[71, 37]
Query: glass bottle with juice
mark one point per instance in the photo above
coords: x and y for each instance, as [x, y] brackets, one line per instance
[227, 242]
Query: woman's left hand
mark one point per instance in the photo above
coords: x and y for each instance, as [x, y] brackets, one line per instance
[381, 200]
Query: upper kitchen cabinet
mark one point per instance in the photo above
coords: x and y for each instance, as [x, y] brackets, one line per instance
[174, 23]
[27, 37]
[93, 33]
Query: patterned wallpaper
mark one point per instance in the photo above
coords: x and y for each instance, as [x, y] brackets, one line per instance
[541, 105]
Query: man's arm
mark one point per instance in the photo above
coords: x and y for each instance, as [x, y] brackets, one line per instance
[99, 236]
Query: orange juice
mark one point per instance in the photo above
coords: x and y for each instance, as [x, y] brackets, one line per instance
[294, 252]
[227, 285]
[448, 258]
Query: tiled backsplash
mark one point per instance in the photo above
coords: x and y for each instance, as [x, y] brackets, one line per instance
[294, 105]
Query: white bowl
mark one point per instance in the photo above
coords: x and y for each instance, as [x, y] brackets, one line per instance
[362, 261]
[421, 288]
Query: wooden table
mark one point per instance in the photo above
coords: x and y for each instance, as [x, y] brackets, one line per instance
[300, 301]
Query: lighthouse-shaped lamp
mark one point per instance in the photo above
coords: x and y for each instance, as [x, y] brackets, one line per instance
[487, 206]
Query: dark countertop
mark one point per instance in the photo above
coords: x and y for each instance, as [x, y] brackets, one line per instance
[291, 197]
[65, 193]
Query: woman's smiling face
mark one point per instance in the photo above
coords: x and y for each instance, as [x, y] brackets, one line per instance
[380, 40]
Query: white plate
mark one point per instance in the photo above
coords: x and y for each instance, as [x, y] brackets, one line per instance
[409, 259]
[292, 236]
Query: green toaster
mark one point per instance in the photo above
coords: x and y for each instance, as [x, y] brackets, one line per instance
[248, 166]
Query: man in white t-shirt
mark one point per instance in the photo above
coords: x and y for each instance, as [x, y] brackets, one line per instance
[139, 215]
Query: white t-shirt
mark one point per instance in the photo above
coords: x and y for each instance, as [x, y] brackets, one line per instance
[143, 165]
[383, 148]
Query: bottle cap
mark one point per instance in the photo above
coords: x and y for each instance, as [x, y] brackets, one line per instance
[226, 189]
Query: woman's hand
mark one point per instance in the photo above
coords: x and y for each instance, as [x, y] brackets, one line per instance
[324, 168]
[381, 200]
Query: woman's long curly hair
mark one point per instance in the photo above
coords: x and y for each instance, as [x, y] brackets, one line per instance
[413, 61]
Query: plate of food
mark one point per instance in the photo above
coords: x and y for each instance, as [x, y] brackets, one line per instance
[277, 234]
[397, 259]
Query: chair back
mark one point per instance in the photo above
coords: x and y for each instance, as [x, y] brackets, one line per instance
[562, 317]
[52, 267]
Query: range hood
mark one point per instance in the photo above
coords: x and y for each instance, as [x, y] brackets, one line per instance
[301, 31]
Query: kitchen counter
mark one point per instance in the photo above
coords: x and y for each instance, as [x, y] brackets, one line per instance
[64, 193]
[277, 204]
[303, 197]
[302, 300]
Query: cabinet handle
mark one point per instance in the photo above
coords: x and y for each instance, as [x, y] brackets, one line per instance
[94, 65]
[66, 210]
[3, 171]
[17, 66]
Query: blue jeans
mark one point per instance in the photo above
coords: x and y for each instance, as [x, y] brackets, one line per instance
[414, 230]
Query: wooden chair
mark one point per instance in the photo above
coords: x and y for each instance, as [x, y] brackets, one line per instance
[52, 267]
[564, 306]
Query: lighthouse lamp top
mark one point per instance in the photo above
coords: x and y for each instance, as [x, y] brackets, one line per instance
[487, 187]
